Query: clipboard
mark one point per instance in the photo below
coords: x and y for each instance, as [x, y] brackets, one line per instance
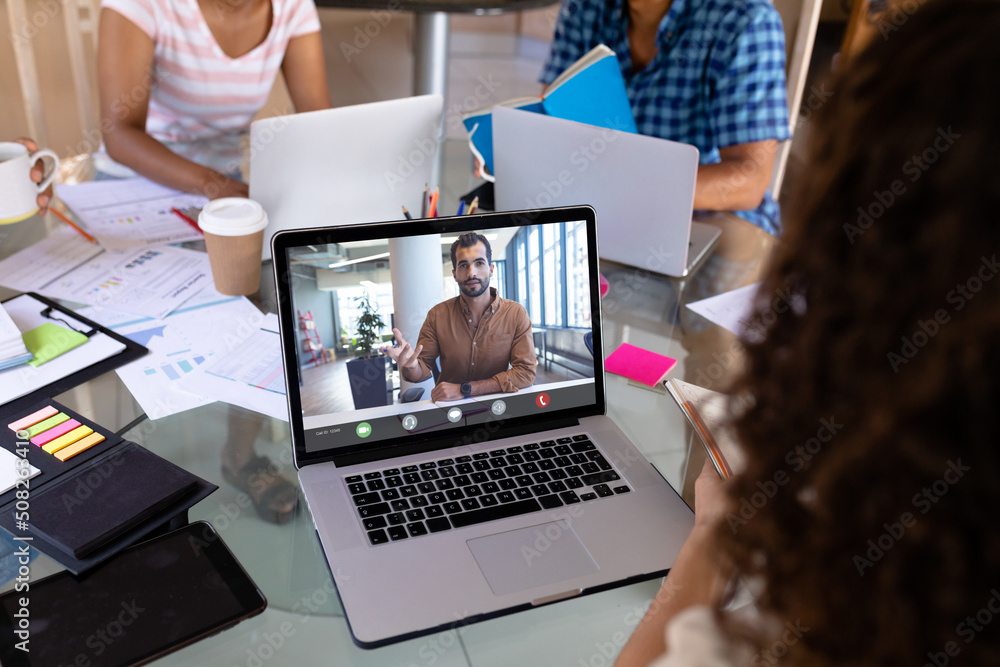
[52, 312]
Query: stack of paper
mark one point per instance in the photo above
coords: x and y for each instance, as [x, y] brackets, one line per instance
[12, 349]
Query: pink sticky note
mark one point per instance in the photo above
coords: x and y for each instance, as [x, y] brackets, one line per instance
[638, 364]
[605, 285]
[45, 437]
[33, 418]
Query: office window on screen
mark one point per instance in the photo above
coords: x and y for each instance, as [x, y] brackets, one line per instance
[548, 264]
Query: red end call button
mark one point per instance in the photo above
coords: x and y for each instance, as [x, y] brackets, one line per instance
[542, 400]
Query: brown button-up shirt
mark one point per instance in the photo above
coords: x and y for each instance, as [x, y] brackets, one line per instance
[501, 347]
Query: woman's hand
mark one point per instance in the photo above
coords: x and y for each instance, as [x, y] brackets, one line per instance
[709, 497]
[221, 186]
[37, 174]
[698, 577]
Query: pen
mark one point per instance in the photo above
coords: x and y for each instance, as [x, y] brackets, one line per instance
[461, 206]
[473, 206]
[407, 214]
[423, 202]
[432, 211]
[74, 226]
[186, 219]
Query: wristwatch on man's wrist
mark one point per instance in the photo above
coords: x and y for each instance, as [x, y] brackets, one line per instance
[466, 389]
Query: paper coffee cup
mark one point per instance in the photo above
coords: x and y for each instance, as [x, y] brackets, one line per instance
[234, 237]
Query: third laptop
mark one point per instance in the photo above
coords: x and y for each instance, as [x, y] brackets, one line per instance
[436, 513]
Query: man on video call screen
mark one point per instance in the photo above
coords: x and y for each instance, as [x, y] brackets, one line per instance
[483, 342]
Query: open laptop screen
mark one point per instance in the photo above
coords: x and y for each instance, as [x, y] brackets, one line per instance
[343, 290]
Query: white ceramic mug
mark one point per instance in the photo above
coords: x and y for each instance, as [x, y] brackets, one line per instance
[18, 193]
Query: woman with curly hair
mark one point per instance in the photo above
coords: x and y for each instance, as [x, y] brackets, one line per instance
[875, 412]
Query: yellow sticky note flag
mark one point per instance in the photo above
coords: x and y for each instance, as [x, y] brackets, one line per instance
[68, 439]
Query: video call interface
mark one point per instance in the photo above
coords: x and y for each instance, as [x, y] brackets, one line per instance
[349, 297]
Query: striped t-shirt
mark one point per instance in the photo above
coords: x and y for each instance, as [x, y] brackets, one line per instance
[202, 101]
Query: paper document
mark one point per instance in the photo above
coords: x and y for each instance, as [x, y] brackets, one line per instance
[10, 465]
[38, 265]
[731, 311]
[250, 375]
[131, 213]
[152, 282]
[20, 380]
[209, 323]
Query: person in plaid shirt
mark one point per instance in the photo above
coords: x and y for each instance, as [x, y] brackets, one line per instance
[710, 73]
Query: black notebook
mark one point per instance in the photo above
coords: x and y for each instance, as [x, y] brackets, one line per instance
[93, 508]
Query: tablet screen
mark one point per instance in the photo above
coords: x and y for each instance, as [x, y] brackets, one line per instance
[146, 601]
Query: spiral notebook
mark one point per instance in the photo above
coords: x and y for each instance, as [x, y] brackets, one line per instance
[709, 415]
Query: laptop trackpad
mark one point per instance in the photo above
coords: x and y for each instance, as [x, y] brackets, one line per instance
[530, 557]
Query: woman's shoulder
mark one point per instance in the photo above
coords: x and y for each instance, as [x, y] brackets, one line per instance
[292, 7]
[297, 15]
[152, 15]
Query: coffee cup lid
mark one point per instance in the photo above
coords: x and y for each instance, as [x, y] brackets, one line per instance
[232, 216]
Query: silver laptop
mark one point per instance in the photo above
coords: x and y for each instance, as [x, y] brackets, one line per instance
[301, 175]
[641, 187]
[434, 515]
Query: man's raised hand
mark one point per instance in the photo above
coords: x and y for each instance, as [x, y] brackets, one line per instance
[403, 353]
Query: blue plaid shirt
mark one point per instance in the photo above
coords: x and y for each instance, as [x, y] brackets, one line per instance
[717, 80]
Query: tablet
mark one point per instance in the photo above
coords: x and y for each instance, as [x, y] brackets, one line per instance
[147, 601]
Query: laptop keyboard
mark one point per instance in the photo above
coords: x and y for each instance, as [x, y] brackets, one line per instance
[409, 501]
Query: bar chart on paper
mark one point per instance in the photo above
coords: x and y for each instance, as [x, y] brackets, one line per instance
[177, 368]
[256, 363]
[131, 213]
[250, 375]
[180, 347]
[147, 282]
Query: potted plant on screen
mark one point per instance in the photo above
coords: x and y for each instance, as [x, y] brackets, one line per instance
[371, 373]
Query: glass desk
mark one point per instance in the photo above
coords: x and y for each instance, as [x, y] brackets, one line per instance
[304, 624]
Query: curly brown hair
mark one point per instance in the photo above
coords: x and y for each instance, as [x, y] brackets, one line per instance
[866, 509]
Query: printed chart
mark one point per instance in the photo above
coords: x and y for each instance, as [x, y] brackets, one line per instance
[131, 213]
[250, 374]
[179, 347]
[175, 368]
[150, 282]
[256, 363]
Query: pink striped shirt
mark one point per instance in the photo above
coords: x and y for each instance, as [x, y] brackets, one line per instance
[202, 101]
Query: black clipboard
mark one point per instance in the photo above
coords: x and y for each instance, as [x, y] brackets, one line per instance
[52, 311]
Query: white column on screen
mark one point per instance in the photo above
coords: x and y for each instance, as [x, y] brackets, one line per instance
[415, 265]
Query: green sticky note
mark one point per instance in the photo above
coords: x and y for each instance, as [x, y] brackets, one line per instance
[43, 426]
[49, 341]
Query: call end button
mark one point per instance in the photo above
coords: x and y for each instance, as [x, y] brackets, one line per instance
[454, 414]
[542, 400]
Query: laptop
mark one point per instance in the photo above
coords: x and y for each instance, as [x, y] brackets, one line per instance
[300, 176]
[641, 187]
[434, 515]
